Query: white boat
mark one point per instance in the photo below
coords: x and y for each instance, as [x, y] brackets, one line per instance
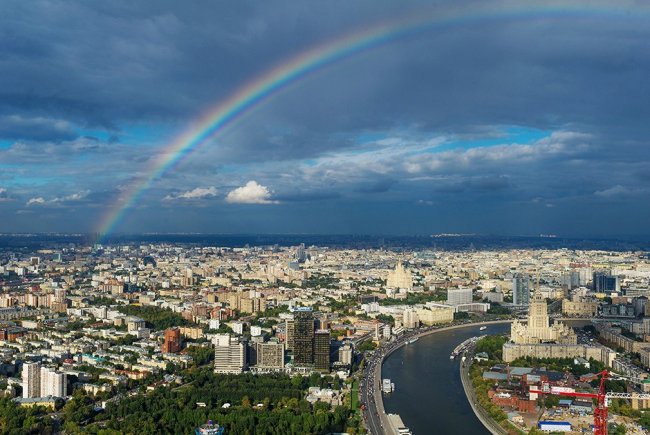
[413, 340]
[482, 328]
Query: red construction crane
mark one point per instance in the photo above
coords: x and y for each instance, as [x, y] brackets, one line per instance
[600, 413]
[602, 397]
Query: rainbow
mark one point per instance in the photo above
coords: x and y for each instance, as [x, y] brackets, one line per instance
[276, 80]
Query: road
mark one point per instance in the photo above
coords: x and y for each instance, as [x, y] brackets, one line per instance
[370, 387]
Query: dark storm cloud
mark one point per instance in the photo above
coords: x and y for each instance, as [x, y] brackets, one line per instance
[87, 87]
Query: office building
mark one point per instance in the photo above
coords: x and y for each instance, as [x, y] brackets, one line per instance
[433, 314]
[270, 355]
[605, 283]
[303, 337]
[289, 328]
[322, 350]
[520, 290]
[459, 296]
[229, 354]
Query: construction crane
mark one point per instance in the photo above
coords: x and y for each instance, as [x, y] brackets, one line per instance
[602, 400]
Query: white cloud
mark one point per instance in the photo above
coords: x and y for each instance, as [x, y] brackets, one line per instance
[36, 201]
[251, 193]
[4, 195]
[618, 190]
[73, 197]
[198, 193]
[59, 199]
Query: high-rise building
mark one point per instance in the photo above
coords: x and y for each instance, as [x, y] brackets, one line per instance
[322, 350]
[521, 290]
[539, 329]
[53, 382]
[605, 283]
[31, 379]
[458, 296]
[289, 328]
[270, 355]
[303, 336]
[229, 354]
[172, 343]
[570, 279]
[345, 354]
[301, 254]
[410, 318]
[400, 278]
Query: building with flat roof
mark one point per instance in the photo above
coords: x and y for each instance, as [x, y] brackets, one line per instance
[459, 296]
[322, 350]
[303, 337]
[31, 380]
[229, 354]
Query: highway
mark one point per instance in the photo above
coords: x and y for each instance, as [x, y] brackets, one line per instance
[374, 414]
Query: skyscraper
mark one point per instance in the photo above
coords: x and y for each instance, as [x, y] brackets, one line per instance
[31, 379]
[290, 327]
[322, 350]
[521, 290]
[301, 254]
[400, 278]
[303, 337]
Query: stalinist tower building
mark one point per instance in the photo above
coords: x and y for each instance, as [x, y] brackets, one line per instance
[538, 338]
[538, 328]
[400, 278]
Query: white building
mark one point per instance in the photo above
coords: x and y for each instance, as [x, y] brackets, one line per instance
[238, 327]
[459, 296]
[53, 383]
[256, 331]
[345, 354]
[386, 332]
[229, 354]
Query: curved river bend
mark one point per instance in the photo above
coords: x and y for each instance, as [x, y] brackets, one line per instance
[428, 393]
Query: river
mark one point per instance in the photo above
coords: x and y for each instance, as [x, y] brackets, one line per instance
[428, 393]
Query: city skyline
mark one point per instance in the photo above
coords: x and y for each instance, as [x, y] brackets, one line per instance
[373, 118]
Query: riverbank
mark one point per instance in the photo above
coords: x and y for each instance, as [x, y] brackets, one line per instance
[480, 413]
[377, 413]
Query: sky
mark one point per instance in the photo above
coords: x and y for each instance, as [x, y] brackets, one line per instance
[499, 120]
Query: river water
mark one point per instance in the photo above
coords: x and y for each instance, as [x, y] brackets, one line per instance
[428, 393]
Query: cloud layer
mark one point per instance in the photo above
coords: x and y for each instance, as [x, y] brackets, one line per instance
[503, 120]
